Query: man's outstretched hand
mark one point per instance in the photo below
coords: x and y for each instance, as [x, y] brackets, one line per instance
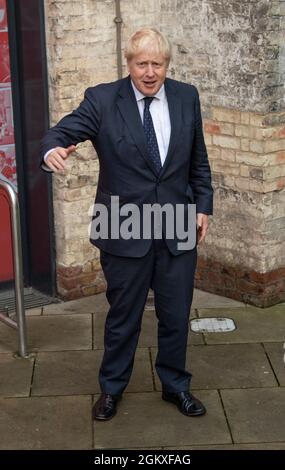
[56, 159]
[202, 222]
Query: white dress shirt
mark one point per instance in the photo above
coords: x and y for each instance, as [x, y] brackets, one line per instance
[160, 117]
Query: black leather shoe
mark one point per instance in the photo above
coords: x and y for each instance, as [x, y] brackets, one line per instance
[186, 403]
[105, 407]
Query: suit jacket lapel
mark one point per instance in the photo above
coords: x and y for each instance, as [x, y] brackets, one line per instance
[129, 110]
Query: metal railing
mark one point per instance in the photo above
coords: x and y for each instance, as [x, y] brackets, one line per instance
[20, 324]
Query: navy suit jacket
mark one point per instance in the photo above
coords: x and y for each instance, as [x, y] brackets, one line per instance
[109, 117]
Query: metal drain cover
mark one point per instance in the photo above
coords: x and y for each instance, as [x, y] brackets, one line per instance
[212, 325]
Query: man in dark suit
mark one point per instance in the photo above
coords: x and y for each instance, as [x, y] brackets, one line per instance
[147, 131]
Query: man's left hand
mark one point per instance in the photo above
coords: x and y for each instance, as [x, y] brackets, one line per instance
[202, 223]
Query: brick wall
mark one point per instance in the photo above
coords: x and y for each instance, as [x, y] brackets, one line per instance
[234, 53]
[245, 256]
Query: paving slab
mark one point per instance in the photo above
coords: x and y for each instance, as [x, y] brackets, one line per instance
[148, 335]
[229, 366]
[76, 373]
[264, 446]
[91, 304]
[253, 325]
[202, 299]
[256, 415]
[16, 374]
[140, 448]
[144, 419]
[66, 365]
[276, 354]
[45, 423]
[226, 366]
[28, 312]
[50, 333]
[34, 311]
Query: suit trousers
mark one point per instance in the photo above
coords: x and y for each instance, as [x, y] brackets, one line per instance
[128, 282]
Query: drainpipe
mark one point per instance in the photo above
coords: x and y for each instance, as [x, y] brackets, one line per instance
[118, 20]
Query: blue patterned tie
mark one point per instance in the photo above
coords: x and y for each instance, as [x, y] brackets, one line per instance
[152, 145]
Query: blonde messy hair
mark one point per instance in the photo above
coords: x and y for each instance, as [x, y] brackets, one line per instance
[148, 39]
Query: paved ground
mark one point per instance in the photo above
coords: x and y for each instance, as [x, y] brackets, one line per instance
[46, 399]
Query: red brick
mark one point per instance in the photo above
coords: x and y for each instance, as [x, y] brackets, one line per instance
[281, 183]
[202, 262]
[280, 157]
[281, 132]
[212, 128]
[68, 283]
[249, 287]
[69, 271]
[214, 278]
[257, 277]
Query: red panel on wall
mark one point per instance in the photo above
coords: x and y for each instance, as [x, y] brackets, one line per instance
[6, 263]
[7, 148]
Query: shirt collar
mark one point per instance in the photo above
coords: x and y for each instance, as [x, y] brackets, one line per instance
[160, 95]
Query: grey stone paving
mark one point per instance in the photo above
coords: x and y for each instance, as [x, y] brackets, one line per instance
[276, 355]
[256, 415]
[159, 424]
[45, 423]
[76, 373]
[51, 333]
[46, 399]
[16, 375]
[253, 324]
[228, 366]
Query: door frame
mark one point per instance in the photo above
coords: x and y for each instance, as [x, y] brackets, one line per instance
[28, 63]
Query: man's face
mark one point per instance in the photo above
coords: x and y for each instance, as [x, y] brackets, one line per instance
[148, 72]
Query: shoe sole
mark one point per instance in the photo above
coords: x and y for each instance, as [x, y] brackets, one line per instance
[194, 415]
[103, 419]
